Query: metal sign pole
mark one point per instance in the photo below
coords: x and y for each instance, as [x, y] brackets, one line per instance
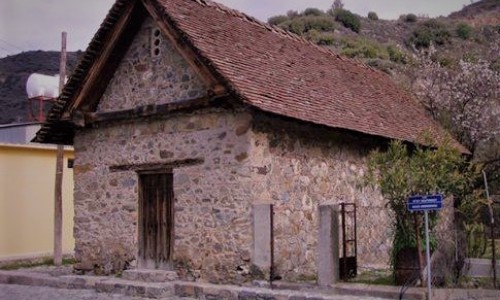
[426, 203]
[428, 255]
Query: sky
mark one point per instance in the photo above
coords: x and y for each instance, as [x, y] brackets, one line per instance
[37, 24]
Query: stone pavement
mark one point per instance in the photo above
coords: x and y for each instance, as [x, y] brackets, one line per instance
[94, 286]
[54, 284]
[26, 292]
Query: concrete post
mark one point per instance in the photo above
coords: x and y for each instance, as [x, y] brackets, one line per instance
[328, 245]
[261, 256]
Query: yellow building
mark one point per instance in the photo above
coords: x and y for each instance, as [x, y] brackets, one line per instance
[27, 179]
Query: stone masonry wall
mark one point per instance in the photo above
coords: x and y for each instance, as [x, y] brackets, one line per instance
[304, 167]
[212, 200]
[144, 77]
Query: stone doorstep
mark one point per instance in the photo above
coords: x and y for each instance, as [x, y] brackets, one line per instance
[135, 288]
[150, 275]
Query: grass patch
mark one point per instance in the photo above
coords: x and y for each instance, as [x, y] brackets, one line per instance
[376, 277]
[46, 261]
[475, 282]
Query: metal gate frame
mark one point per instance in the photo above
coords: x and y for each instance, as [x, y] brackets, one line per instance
[348, 263]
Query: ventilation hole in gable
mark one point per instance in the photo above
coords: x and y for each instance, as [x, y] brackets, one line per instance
[155, 42]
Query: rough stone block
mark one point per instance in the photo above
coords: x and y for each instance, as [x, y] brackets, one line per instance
[219, 293]
[328, 245]
[150, 275]
[262, 237]
[187, 290]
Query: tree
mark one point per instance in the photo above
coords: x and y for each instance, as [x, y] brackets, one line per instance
[373, 16]
[348, 19]
[466, 100]
[400, 172]
[337, 4]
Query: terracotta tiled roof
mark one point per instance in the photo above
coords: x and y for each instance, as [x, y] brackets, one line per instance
[281, 73]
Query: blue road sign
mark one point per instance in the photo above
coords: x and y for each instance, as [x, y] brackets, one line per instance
[425, 203]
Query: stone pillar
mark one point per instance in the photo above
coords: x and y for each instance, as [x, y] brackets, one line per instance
[261, 256]
[328, 245]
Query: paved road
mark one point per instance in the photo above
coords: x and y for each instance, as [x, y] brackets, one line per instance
[22, 292]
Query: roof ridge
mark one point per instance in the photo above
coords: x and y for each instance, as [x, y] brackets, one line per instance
[282, 32]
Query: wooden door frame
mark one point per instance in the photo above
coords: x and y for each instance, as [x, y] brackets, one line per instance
[144, 263]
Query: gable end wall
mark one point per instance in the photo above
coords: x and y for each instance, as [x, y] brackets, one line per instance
[143, 78]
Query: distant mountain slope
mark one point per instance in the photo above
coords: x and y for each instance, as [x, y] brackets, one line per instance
[486, 12]
[14, 72]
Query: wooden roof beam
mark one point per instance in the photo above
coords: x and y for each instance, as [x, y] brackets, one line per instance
[95, 74]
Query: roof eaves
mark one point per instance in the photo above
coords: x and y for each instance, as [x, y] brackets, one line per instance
[80, 73]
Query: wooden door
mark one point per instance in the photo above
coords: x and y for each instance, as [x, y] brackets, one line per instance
[156, 221]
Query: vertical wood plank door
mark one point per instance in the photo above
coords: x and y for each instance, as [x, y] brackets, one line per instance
[156, 220]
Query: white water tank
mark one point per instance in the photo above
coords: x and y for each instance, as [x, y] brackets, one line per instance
[39, 85]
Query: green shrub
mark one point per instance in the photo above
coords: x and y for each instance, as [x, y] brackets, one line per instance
[320, 38]
[380, 65]
[373, 16]
[326, 39]
[410, 18]
[322, 23]
[296, 26]
[313, 12]
[443, 60]
[396, 55]
[464, 31]
[400, 172]
[363, 48]
[301, 25]
[442, 37]
[428, 32]
[313, 35]
[348, 19]
[276, 20]
[440, 34]
[421, 37]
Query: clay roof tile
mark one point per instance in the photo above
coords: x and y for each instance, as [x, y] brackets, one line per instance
[279, 72]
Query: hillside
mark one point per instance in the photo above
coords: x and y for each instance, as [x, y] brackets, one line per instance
[14, 72]
[394, 46]
[485, 12]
